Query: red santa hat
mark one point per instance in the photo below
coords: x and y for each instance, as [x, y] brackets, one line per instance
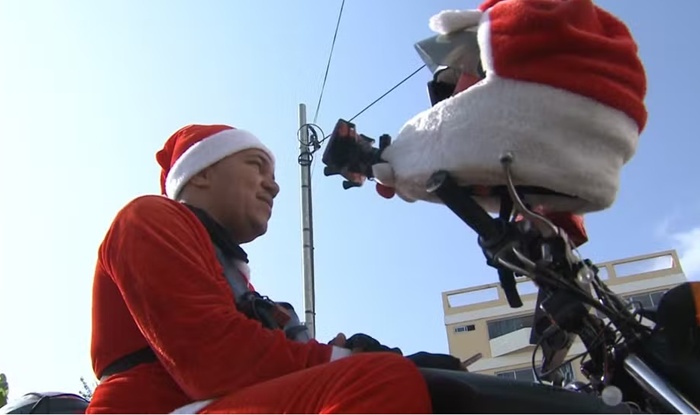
[563, 92]
[196, 147]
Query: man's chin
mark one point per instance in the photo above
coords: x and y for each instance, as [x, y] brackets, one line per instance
[259, 230]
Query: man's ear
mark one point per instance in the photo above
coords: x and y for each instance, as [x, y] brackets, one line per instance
[202, 179]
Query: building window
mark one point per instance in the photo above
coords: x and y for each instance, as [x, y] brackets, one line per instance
[528, 375]
[463, 329]
[646, 300]
[525, 375]
[501, 327]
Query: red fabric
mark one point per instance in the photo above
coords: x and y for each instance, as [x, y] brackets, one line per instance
[569, 44]
[571, 224]
[181, 141]
[373, 383]
[158, 283]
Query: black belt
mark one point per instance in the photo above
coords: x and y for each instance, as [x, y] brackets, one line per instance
[145, 355]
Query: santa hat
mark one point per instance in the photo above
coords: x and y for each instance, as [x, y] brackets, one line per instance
[196, 147]
[563, 92]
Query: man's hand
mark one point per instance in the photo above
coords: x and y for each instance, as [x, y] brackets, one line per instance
[437, 361]
[341, 341]
[338, 341]
[362, 343]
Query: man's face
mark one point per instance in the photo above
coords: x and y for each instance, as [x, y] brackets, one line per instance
[242, 188]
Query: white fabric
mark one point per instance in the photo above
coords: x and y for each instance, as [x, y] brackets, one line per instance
[450, 21]
[207, 152]
[244, 269]
[339, 353]
[192, 408]
[561, 141]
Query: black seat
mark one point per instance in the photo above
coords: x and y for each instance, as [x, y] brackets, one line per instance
[454, 392]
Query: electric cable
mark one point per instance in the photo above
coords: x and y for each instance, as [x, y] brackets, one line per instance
[328, 64]
[390, 90]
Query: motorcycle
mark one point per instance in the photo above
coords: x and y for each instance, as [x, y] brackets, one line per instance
[632, 367]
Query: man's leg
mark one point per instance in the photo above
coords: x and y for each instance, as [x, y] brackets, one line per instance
[363, 383]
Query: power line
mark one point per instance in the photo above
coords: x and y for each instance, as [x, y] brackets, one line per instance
[386, 93]
[325, 137]
[328, 64]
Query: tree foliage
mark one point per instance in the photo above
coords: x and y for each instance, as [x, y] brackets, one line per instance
[4, 389]
[87, 389]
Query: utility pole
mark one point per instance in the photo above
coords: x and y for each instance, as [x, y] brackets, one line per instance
[305, 158]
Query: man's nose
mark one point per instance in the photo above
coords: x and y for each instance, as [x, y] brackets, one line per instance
[272, 187]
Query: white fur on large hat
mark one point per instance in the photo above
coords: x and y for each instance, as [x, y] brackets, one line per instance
[563, 93]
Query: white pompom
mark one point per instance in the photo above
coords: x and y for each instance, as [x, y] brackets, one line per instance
[383, 174]
[450, 21]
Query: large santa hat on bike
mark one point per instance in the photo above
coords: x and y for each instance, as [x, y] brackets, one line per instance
[563, 92]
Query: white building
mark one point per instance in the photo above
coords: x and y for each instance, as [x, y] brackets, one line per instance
[479, 319]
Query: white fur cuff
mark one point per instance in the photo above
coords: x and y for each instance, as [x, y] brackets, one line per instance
[339, 353]
[561, 141]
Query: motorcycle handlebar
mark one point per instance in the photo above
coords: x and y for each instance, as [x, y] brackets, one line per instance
[466, 208]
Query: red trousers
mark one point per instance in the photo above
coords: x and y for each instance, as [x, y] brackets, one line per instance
[365, 383]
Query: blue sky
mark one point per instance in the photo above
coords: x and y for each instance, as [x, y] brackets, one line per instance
[89, 91]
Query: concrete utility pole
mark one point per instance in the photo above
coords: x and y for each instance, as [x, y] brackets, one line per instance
[305, 158]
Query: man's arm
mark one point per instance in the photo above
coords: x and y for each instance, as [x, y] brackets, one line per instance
[160, 258]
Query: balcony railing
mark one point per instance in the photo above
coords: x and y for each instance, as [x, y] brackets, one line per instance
[515, 341]
[641, 267]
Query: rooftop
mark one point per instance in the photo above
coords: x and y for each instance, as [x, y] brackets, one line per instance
[623, 276]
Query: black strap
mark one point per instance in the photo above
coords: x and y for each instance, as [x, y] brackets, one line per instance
[250, 303]
[145, 355]
[221, 240]
[219, 236]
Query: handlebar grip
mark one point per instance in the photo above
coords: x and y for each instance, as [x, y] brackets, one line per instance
[463, 205]
[510, 288]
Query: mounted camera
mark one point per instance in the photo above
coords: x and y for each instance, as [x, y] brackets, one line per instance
[351, 154]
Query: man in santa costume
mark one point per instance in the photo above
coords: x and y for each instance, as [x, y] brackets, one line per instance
[176, 321]
[169, 328]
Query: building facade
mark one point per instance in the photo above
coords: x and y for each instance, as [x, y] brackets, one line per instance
[480, 321]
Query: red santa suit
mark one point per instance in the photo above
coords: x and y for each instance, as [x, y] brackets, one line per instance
[160, 286]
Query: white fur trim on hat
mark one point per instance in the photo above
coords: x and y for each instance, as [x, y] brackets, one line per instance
[207, 152]
[560, 140]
